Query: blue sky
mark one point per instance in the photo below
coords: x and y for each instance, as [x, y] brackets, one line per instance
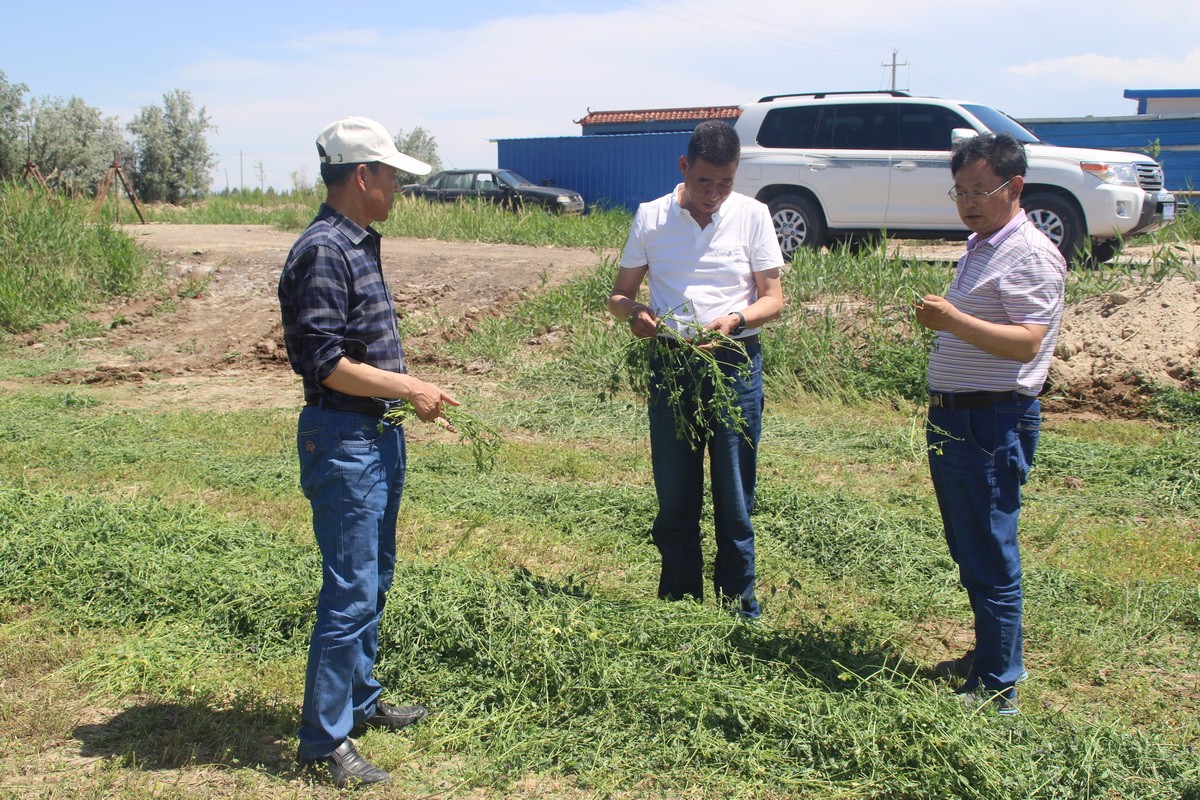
[272, 75]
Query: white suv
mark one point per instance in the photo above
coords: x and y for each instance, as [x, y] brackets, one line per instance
[838, 163]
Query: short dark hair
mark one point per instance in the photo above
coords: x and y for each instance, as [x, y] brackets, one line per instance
[1002, 152]
[715, 142]
[337, 174]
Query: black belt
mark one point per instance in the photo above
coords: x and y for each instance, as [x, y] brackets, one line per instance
[973, 399]
[367, 406]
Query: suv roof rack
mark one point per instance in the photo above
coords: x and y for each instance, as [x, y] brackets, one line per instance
[822, 95]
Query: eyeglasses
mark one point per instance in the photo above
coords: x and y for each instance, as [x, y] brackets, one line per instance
[962, 197]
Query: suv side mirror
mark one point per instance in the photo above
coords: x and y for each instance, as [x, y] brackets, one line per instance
[961, 134]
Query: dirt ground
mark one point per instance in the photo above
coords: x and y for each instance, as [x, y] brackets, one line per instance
[223, 349]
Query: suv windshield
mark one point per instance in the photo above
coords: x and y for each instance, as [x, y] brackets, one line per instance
[998, 122]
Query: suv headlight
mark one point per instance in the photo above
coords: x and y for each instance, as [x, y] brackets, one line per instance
[1121, 174]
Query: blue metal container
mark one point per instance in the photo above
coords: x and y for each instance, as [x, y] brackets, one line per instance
[613, 171]
[1173, 140]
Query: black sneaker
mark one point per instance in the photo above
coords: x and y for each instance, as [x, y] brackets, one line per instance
[345, 767]
[391, 718]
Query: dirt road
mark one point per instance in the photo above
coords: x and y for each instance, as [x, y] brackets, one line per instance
[223, 347]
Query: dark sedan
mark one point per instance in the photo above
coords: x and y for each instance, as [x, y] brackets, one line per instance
[501, 186]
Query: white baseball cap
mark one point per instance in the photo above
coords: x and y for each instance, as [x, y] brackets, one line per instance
[358, 140]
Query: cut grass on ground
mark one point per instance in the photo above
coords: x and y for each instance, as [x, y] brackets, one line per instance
[522, 615]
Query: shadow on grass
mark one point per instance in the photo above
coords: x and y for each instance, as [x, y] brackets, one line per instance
[168, 736]
[831, 659]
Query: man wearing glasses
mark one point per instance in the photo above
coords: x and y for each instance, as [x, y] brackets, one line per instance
[996, 326]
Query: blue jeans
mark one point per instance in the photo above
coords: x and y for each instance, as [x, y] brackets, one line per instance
[353, 475]
[984, 459]
[679, 482]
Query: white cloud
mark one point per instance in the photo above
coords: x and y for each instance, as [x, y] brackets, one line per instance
[1154, 71]
[533, 75]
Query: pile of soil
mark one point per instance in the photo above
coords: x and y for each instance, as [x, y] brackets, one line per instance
[1114, 348]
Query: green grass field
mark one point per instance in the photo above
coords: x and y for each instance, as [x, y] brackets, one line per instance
[157, 578]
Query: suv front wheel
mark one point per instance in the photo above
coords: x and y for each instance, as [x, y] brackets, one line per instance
[1058, 219]
[798, 223]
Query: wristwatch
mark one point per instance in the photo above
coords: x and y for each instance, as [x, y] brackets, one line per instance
[741, 326]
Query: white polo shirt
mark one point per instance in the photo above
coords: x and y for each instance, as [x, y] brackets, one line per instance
[698, 274]
[1015, 276]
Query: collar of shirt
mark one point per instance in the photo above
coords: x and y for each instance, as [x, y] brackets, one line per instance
[346, 226]
[678, 210]
[999, 236]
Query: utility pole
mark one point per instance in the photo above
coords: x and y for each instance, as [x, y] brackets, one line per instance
[241, 172]
[893, 65]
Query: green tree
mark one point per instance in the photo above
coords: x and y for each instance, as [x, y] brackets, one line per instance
[173, 161]
[73, 144]
[421, 145]
[12, 118]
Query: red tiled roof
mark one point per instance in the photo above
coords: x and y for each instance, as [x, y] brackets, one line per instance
[659, 115]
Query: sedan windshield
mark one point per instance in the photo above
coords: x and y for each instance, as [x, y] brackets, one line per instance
[513, 179]
[998, 122]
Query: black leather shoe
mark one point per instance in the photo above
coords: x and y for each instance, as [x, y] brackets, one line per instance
[391, 718]
[345, 767]
[960, 668]
[956, 667]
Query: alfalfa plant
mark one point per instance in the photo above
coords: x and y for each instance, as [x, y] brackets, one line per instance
[690, 374]
[485, 441]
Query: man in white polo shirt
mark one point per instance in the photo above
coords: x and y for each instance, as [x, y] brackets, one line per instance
[712, 260]
[996, 326]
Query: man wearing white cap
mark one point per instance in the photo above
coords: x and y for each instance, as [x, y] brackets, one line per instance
[339, 325]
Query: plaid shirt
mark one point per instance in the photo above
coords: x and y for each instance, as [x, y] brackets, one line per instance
[335, 303]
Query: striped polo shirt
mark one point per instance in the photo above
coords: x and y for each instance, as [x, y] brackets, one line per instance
[1014, 276]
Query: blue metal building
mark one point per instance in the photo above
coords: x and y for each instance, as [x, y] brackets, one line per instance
[616, 170]
[1173, 140]
[622, 159]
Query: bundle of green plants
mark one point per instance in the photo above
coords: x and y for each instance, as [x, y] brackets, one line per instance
[56, 262]
[484, 440]
[695, 373]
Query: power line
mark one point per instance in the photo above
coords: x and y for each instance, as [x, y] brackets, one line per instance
[774, 24]
[774, 40]
[943, 90]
